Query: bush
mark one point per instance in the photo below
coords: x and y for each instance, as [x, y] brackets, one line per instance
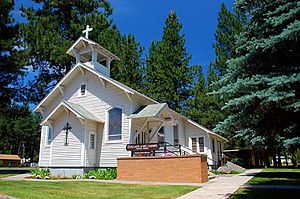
[102, 174]
[40, 173]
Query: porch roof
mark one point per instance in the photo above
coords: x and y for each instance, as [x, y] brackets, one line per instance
[76, 109]
[152, 110]
[82, 111]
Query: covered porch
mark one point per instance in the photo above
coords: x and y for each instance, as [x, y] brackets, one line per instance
[155, 132]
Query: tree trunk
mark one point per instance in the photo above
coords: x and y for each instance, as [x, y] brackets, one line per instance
[279, 159]
[286, 159]
[274, 160]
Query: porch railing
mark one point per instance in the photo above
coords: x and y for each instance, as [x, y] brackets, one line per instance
[153, 149]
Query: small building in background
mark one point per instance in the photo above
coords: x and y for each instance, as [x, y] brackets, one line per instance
[9, 160]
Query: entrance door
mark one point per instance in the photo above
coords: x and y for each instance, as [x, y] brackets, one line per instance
[142, 138]
[92, 148]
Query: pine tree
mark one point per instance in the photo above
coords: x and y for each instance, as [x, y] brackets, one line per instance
[10, 57]
[167, 75]
[56, 25]
[263, 81]
[229, 26]
[212, 113]
[19, 131]
[129, 69]
[196, 103]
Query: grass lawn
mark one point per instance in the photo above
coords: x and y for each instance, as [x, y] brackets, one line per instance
[30, 189]
[271, 177]
[265, 194]
[277, 177]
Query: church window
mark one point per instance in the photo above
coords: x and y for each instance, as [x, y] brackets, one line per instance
[176, 136]
[83, 90]
[92, 141]
[115, 124]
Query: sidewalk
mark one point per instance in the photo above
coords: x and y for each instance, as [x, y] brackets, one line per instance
[221, 187]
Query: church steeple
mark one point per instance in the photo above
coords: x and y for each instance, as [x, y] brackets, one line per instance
[92, 54]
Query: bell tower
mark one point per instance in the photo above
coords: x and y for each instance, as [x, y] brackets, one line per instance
[92, 54]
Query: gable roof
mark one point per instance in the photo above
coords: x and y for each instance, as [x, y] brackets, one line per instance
[76, 109]
[199, 126]
[107, 79]
[151, 110]
[90, 42]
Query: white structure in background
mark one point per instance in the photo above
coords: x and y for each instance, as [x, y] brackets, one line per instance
[89, 118]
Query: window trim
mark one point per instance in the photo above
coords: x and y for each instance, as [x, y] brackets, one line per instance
[49, 129]
[177, 127]
[197, 143]
[107, 126]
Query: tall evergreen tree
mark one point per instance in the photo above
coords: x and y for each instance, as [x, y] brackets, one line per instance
[53, 28]
[229, 26]
[129, 69]
[10, 56]
[263, 81]
[19, 132]
[168, 76]
[196, 103]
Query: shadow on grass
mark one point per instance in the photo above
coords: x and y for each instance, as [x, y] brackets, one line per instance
[265, 194]
[11, 171]
[276, 178]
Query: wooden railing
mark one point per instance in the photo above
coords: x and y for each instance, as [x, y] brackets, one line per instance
[153, 149]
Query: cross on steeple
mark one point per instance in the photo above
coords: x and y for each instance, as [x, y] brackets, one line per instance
[87, 30]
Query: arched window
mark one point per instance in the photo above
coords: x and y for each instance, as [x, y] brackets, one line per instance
[115, 124]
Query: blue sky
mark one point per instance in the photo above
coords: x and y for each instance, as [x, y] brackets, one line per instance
[145, 20]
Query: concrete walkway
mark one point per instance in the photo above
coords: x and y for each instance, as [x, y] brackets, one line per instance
[24, 177]
[17, 177]
[221, 187]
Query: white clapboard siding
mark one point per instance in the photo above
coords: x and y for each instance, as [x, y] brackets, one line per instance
[67, 155]
[99, 100]
[44, 149]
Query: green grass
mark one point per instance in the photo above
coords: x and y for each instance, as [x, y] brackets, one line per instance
[265, 194]
[271, 177]
[34, 189]
[277, 177]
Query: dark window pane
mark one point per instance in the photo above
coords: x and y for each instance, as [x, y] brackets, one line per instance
[176, 138]
[161, 135]
[115, 124]
[82, 89]
[201, 144]
[194, 144]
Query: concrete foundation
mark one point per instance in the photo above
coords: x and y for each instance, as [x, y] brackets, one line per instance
[68, 172]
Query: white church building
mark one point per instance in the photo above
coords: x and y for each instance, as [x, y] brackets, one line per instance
[90, 118]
